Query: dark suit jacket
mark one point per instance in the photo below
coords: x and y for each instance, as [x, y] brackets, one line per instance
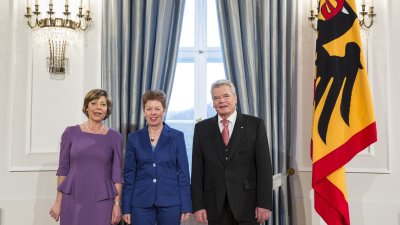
[159, 177]
[245, 176]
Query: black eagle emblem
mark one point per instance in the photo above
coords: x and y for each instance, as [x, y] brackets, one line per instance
[341, 70]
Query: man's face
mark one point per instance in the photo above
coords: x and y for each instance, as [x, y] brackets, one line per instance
[224, 101]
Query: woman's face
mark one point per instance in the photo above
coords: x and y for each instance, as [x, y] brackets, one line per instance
[154, 112]
[97, 109]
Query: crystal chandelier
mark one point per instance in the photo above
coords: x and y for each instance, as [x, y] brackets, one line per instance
[57, 32]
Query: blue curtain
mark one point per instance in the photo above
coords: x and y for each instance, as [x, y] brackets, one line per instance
[259, 54]
[140, 41]
[139, 51]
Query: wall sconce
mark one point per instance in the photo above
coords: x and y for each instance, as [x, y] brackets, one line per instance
[57, 32]
[366, 18]
[313, 18]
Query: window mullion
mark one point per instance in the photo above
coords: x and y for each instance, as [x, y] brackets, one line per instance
[202, 53]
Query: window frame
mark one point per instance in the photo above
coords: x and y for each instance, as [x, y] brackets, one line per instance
[200, 55]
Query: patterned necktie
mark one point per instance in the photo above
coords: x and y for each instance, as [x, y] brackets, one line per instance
[225, 131]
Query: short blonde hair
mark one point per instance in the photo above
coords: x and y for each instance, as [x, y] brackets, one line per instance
[93, 95]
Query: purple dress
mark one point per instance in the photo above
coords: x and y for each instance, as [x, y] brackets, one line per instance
[92, 163]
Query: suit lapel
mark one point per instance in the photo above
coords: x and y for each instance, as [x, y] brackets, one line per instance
[237, 135]
[163, 137]
[144, 139]
[216, 137]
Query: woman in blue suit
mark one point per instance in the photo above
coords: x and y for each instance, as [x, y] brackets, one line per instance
[156, 172]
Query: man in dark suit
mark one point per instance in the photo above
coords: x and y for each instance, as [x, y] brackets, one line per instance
[231, 165]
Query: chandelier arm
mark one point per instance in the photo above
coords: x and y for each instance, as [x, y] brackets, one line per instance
[28, 21]
[366, 17]
[313, 16]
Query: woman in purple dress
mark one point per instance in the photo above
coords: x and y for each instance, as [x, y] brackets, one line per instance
[90, 168]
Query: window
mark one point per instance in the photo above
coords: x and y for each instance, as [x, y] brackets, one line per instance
[200, 63]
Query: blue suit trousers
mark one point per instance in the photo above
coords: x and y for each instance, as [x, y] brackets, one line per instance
[161, 215]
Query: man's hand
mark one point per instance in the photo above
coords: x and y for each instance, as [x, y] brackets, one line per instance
[262, 214]
[200, 216]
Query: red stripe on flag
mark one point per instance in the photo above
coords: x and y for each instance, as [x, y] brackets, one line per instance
[343, 154]
[331, 204]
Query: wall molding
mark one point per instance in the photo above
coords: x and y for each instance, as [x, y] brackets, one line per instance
[42, 108]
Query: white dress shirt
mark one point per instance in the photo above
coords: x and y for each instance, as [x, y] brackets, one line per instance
[231, 119]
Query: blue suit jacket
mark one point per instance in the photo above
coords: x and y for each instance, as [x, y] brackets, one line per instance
[159, 177]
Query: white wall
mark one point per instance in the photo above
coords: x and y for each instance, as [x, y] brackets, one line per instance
[36, 109]
[373, 178]
[25, 196]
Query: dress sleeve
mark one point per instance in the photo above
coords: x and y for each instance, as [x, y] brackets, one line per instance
[117, 160]
[65, 146]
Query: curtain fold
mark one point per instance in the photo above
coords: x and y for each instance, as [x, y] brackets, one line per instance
[139, 51]
[140, 41]
[259, 54]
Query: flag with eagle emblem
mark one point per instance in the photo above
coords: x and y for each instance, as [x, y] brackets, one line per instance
[343, 118]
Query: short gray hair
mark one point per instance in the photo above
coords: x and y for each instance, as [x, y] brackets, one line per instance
[223, 82]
